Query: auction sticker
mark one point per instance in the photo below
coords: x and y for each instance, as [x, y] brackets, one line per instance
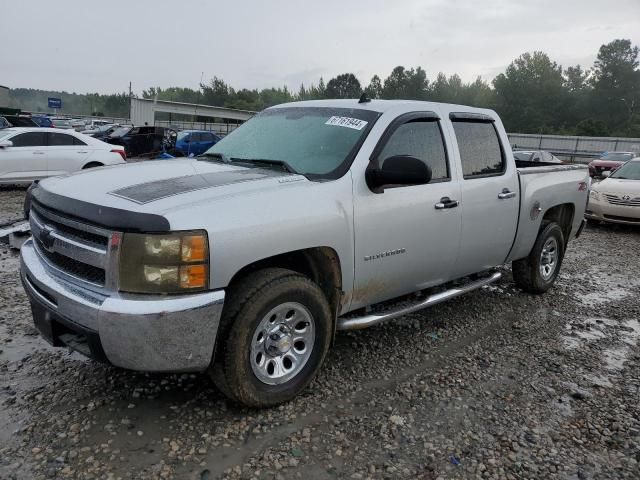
[348, 122]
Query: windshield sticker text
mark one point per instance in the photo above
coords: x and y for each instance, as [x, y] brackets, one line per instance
[347, 122]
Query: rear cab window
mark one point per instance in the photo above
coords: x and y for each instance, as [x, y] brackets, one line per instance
[481, 152]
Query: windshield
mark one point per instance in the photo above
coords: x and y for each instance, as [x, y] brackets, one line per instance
[315, 141]
[629, 171]
[617, 157]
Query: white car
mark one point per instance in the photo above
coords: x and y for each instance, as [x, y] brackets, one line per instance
[616, 199]
[28, 154]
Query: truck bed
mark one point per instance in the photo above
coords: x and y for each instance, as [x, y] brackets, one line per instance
[543, 185]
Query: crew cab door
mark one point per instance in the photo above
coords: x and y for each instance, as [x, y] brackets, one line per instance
[404, 239]
[490, 194]
[26, 160]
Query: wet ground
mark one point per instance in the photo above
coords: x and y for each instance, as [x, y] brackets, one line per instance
[496, 384]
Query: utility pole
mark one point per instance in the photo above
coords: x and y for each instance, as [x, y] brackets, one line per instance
[130, 95]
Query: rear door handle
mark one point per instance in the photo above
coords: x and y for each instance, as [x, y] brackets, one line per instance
[82, 152]
[38, 153]
[506, 193]
[446, 202]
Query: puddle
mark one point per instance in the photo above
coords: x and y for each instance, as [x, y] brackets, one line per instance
[605, 287]
[589, 329]
[615, 357]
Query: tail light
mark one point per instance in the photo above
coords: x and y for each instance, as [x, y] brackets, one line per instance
[122, 153]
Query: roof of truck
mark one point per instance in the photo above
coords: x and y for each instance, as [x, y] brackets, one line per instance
[382, 105]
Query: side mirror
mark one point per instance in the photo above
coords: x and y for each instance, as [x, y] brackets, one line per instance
[606, 173]
[6, 144]
[398, 170]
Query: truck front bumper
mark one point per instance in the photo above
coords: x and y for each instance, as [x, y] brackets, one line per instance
[137, 332]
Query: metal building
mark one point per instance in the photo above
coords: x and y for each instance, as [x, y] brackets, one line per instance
[143, 111]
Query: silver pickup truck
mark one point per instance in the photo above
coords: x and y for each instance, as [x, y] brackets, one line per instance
[310, 218]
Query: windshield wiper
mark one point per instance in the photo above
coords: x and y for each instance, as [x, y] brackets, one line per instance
[215, 156]
[267, 162]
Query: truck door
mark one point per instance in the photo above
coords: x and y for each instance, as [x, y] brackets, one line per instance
[406, 238]
[490, 194]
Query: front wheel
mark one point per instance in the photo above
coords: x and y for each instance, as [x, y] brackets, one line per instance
[274, 335]
[538, 272]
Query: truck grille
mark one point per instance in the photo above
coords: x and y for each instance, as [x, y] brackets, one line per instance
[626, 200]
[75, 249]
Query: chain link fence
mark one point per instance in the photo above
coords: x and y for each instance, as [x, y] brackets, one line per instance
[574, 149]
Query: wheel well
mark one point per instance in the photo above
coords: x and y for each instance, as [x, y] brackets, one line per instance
[563, 216]
[93, 164]
[320, 264]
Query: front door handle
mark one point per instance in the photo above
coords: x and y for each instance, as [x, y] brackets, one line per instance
[506, 193]
[38, 153]
[82, 152]
[446, 202]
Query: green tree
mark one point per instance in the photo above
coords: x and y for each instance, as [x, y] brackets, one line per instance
[344, 86]
[531, 94]
[616, 84]
[406, 84]
[374, 89]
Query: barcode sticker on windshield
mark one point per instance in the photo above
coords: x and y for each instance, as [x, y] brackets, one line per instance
[346, 122]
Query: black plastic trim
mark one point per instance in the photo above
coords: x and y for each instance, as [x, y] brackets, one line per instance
[107, 217]
[471, 117]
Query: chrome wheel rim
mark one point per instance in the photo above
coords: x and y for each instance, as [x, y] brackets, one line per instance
[549, 258]
[282, 343]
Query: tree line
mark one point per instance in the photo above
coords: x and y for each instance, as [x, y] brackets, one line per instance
[533, 95]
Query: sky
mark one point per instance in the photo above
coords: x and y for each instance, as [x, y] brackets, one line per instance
[86, 46]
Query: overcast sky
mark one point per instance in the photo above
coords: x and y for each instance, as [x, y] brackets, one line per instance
[89, 46]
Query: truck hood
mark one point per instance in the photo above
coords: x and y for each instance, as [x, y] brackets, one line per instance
[111, 196]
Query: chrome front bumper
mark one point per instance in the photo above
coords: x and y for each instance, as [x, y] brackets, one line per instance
[138, 332]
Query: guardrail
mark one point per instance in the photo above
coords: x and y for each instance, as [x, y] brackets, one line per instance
[573, 148]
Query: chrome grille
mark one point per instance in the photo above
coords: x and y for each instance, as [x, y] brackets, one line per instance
[626, 200]
[77, 250]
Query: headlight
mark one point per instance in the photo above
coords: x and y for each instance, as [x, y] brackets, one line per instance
[595, 195]
[164, 263]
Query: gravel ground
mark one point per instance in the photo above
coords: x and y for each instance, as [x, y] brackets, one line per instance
[496, 384]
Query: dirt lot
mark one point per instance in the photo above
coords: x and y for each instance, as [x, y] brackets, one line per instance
[497, 384]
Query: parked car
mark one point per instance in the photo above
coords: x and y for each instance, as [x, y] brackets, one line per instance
[540, 156]
[78, 124]
[616, 199]
[4, 123]
[42, 121]
[143, 141]
[61, 123]
[195, 142]
[20, 121]
[28, 154]
[243, 262]
[91, 124]
[608, 162]
[102, 131]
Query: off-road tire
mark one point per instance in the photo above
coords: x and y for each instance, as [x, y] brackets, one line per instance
[246, 304]
[526, 271]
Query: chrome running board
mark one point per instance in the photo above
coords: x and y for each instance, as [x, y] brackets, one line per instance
[367, 320]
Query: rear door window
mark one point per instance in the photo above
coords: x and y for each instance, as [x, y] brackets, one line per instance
[60, 139]
[480, 149]
[30, 139]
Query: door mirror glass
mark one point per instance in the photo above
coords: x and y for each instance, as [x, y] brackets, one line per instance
[606, 173]
[6, 144]
[398, 170]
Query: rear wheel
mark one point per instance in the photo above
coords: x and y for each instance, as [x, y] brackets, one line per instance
[538, 272]
[92, 165]
[274, 335]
